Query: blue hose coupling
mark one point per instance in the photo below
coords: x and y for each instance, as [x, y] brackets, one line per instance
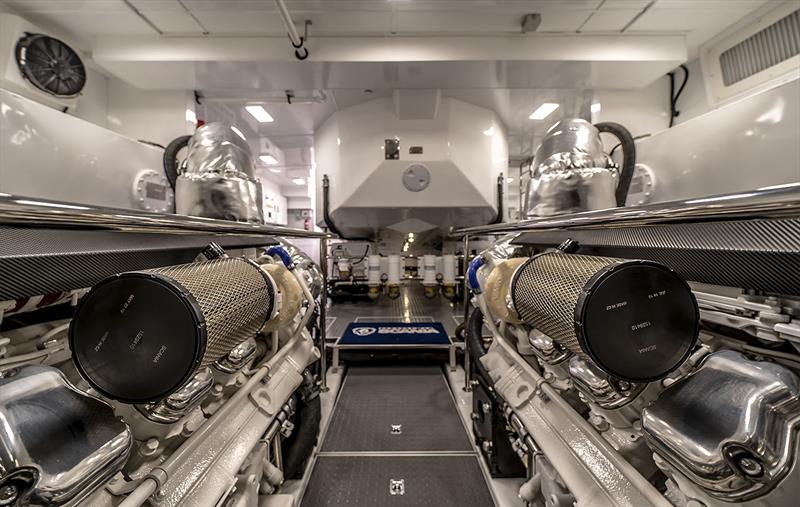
[283, 255]
[472, 274]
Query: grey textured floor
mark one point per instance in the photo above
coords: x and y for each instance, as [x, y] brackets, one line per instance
[429, 481]
[432, 453]
[409, 307]
[415, 397]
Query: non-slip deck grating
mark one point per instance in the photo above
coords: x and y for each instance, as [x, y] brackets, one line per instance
[375, 400]
[368, 481]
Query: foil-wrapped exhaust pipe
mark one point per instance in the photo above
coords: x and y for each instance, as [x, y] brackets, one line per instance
[571, 173]
[137, 337]
[637, 320]
[219, 178]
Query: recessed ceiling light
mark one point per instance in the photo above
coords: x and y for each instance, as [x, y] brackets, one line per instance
[509, 180]
[489, 131]
[274, 169]
[238, 132]
[191, 117]
[299, 181]
[259, 113]
[543, 111]
[268, 159]
[596, 107]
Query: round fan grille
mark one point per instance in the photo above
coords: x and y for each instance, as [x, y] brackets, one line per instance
[50, 65]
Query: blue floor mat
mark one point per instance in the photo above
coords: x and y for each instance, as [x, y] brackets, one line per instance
[395, 333]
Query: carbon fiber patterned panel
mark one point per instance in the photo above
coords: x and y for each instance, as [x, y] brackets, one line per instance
[37, 261]
[427, 481]
[761, 254]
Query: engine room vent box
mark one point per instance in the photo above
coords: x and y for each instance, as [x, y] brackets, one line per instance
[754, 54]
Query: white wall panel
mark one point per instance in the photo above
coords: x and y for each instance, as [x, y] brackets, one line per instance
[47, 154]
[748, 144]
[157, 116]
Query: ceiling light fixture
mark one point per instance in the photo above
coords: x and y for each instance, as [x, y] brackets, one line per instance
[191, 117]
[299, 181]
[596, 107]
[268, 159]
[275, 170]
[489, 131]
[543, 111]
[509, 180]
[238, 132]
[259, 113]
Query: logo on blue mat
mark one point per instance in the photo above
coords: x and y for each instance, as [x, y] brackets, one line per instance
[364, 331]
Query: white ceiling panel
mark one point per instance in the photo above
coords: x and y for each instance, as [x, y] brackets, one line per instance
[609, 20]
[687, 19]
[395, 5]
[174, 22]
[76, 6]
[237, 22]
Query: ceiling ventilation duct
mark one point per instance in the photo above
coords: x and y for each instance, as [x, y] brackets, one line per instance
[754, 54]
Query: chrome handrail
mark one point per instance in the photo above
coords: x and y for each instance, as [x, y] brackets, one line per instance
[769, 202]
[18, 211]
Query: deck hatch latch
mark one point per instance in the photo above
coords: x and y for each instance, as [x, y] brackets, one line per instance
[397, 487]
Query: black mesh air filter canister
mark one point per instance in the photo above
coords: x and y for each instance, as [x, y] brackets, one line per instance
[637, 320]
[139, 336]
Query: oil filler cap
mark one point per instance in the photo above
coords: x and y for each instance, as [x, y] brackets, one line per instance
[637, 320]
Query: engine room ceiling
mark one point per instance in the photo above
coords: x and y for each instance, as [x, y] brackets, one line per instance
[236, 51]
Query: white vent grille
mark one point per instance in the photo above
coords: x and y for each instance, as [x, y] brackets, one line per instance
[762, 50]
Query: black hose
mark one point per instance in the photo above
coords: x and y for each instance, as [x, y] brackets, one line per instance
[674, 96]
[499, 218]
[297, 448]
[475, 342]
[326, 216]
[628, 157]
[170, 160]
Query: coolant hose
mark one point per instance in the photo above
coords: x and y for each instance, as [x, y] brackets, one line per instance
[628, 158]
[283, 255]
[472, 274]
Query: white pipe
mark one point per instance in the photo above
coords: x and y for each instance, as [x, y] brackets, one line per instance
[297, 42]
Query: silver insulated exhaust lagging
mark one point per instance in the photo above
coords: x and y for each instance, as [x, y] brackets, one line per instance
[637, 320]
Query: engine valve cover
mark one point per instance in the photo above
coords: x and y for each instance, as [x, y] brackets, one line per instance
[56, 443]
[729, 426]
